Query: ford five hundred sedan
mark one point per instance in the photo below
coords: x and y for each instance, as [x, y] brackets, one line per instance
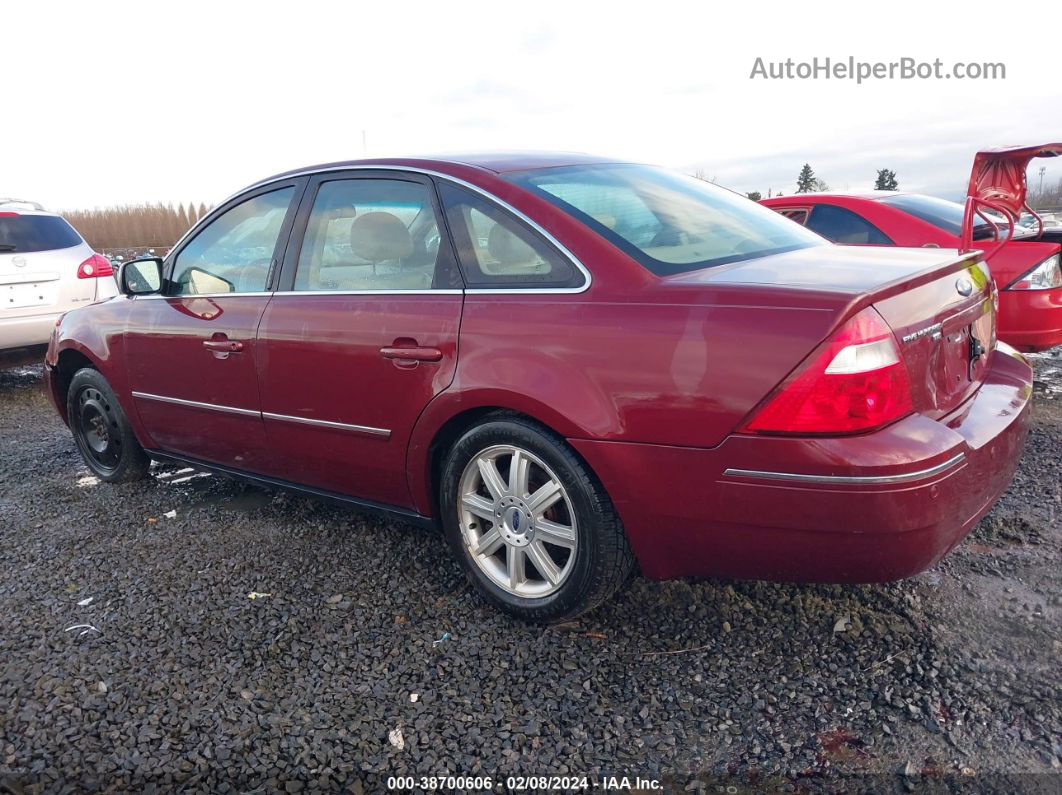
[572, 365]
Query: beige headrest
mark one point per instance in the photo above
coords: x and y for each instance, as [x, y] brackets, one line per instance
[380, 236]
[507, 248]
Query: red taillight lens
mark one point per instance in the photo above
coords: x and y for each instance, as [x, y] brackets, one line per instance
[854, 383]
[95, 266]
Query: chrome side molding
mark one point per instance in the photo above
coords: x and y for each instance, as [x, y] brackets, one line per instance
[195, 404]
[341, 426]
[383, 433]
[862, 480]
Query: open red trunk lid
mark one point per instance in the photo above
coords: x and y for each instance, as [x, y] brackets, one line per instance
[997, 182]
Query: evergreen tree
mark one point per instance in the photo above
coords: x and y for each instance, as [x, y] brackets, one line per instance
[886, 180]
[806, 180]
[755, 195]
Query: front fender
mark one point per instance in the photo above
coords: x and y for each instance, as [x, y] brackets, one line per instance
[96, 333]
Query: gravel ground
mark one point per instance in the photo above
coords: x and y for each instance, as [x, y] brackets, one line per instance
[363, 632]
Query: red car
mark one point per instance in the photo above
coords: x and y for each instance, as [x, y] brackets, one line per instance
[570, 364]
[1024, 259]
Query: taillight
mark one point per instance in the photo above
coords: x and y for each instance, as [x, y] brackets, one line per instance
[855, 382]
[1045, 276]
[95, 266]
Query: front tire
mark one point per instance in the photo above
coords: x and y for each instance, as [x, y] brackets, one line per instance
[533, 529]
[102, 431]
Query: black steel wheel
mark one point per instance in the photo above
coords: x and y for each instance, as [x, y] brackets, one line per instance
[101, 429]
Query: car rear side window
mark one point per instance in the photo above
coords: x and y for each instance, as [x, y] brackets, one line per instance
[26, 233]
[668, 222]
[800, 215]
[497, 250]
[233, 252]
[372, 234]
[844, 226]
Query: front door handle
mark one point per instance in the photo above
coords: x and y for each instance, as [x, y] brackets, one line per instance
[223, 346]
[412, 354]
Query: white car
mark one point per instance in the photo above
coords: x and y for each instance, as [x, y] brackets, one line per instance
[46, 268]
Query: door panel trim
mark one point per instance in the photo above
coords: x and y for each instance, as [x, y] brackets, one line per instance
[342, 426]
[195, 404]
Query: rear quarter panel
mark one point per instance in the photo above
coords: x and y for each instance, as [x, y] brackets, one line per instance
[668, 367]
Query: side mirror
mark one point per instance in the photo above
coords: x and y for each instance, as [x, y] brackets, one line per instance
[140, 276]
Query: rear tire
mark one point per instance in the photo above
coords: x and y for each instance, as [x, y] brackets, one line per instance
[102, 431]
[531, 526]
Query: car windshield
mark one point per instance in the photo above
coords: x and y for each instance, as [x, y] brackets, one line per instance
[947, 215]
[26, 233]
[668, 222]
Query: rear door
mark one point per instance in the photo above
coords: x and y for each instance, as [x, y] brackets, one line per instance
[39, 259]
[361, 335]
[192, 352]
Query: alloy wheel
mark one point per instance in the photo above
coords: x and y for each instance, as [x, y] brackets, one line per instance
[517, 521]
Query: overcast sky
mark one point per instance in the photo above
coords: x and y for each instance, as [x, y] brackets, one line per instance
[127, 102]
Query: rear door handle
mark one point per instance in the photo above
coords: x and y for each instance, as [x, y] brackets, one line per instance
[415, 354]
[223, 346]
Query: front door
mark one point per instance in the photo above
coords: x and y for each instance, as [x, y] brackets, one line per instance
[361, 335]
[192, 350]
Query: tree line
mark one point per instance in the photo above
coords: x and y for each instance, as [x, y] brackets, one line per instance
[135, 225]
[807, 182]
[1046, 196]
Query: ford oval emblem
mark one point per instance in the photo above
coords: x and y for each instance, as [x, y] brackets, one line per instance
[516, 521]
[964, 286]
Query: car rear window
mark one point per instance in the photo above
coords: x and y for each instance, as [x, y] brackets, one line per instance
[25, 233]
[946, 215]
[668, 222]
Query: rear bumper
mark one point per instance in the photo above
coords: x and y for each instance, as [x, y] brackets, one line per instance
[867, 508]
[21, 332]
[1031, 320]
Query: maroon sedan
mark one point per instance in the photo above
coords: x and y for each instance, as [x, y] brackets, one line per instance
[571, 364]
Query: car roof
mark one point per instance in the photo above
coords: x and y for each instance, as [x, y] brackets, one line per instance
[22, 206]
[854, 194]
[495, 162]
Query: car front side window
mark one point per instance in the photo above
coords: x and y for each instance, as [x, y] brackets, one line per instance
[233, 253]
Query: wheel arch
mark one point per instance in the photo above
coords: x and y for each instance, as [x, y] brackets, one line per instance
[67, 363]
[444, 421]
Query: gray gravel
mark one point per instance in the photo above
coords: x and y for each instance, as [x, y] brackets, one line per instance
[175, 678]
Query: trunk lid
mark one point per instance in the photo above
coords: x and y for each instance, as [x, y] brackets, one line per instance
[945, 326]
[998, 183]
[39, 282]
[940, 305]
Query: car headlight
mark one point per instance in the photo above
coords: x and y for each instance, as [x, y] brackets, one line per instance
[1045, 276]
